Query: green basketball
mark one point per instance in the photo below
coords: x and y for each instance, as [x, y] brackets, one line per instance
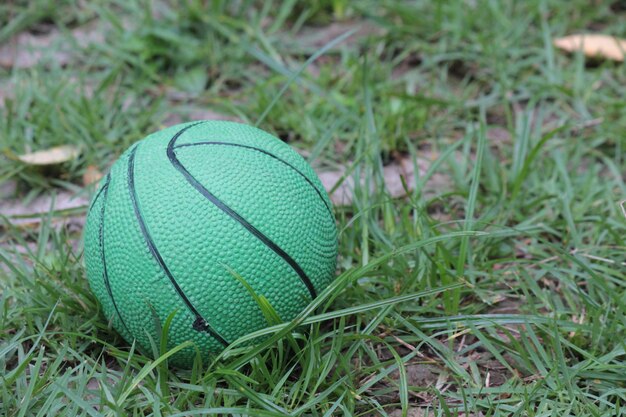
[190, 212]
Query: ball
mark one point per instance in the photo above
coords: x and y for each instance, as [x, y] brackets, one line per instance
[199, 222]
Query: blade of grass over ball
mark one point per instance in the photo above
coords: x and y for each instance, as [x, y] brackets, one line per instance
[164, 332]
[270, 314]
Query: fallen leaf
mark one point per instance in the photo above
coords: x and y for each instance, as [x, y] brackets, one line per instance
[594, 45]
[92, 174]
[51, 156]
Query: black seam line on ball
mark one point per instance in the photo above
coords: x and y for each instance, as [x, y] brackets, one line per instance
[200, 324]
[105, 273]
[219, 204]
[270, 155]
[106, 183]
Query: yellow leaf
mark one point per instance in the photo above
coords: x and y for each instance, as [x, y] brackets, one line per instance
[52, 156]
[594, 45]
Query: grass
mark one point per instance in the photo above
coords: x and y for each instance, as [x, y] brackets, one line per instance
[497, 291]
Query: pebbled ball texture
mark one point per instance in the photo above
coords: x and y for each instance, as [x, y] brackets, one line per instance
[184, 208]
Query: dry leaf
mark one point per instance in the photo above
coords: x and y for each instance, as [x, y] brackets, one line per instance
[92, 174]
[594, 45]
[52, 156]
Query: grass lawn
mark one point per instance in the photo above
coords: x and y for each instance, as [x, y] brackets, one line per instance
[488, 279]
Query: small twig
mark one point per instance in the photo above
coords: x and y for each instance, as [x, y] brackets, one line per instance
[403, 343]
[598, 258]
[410, 347]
